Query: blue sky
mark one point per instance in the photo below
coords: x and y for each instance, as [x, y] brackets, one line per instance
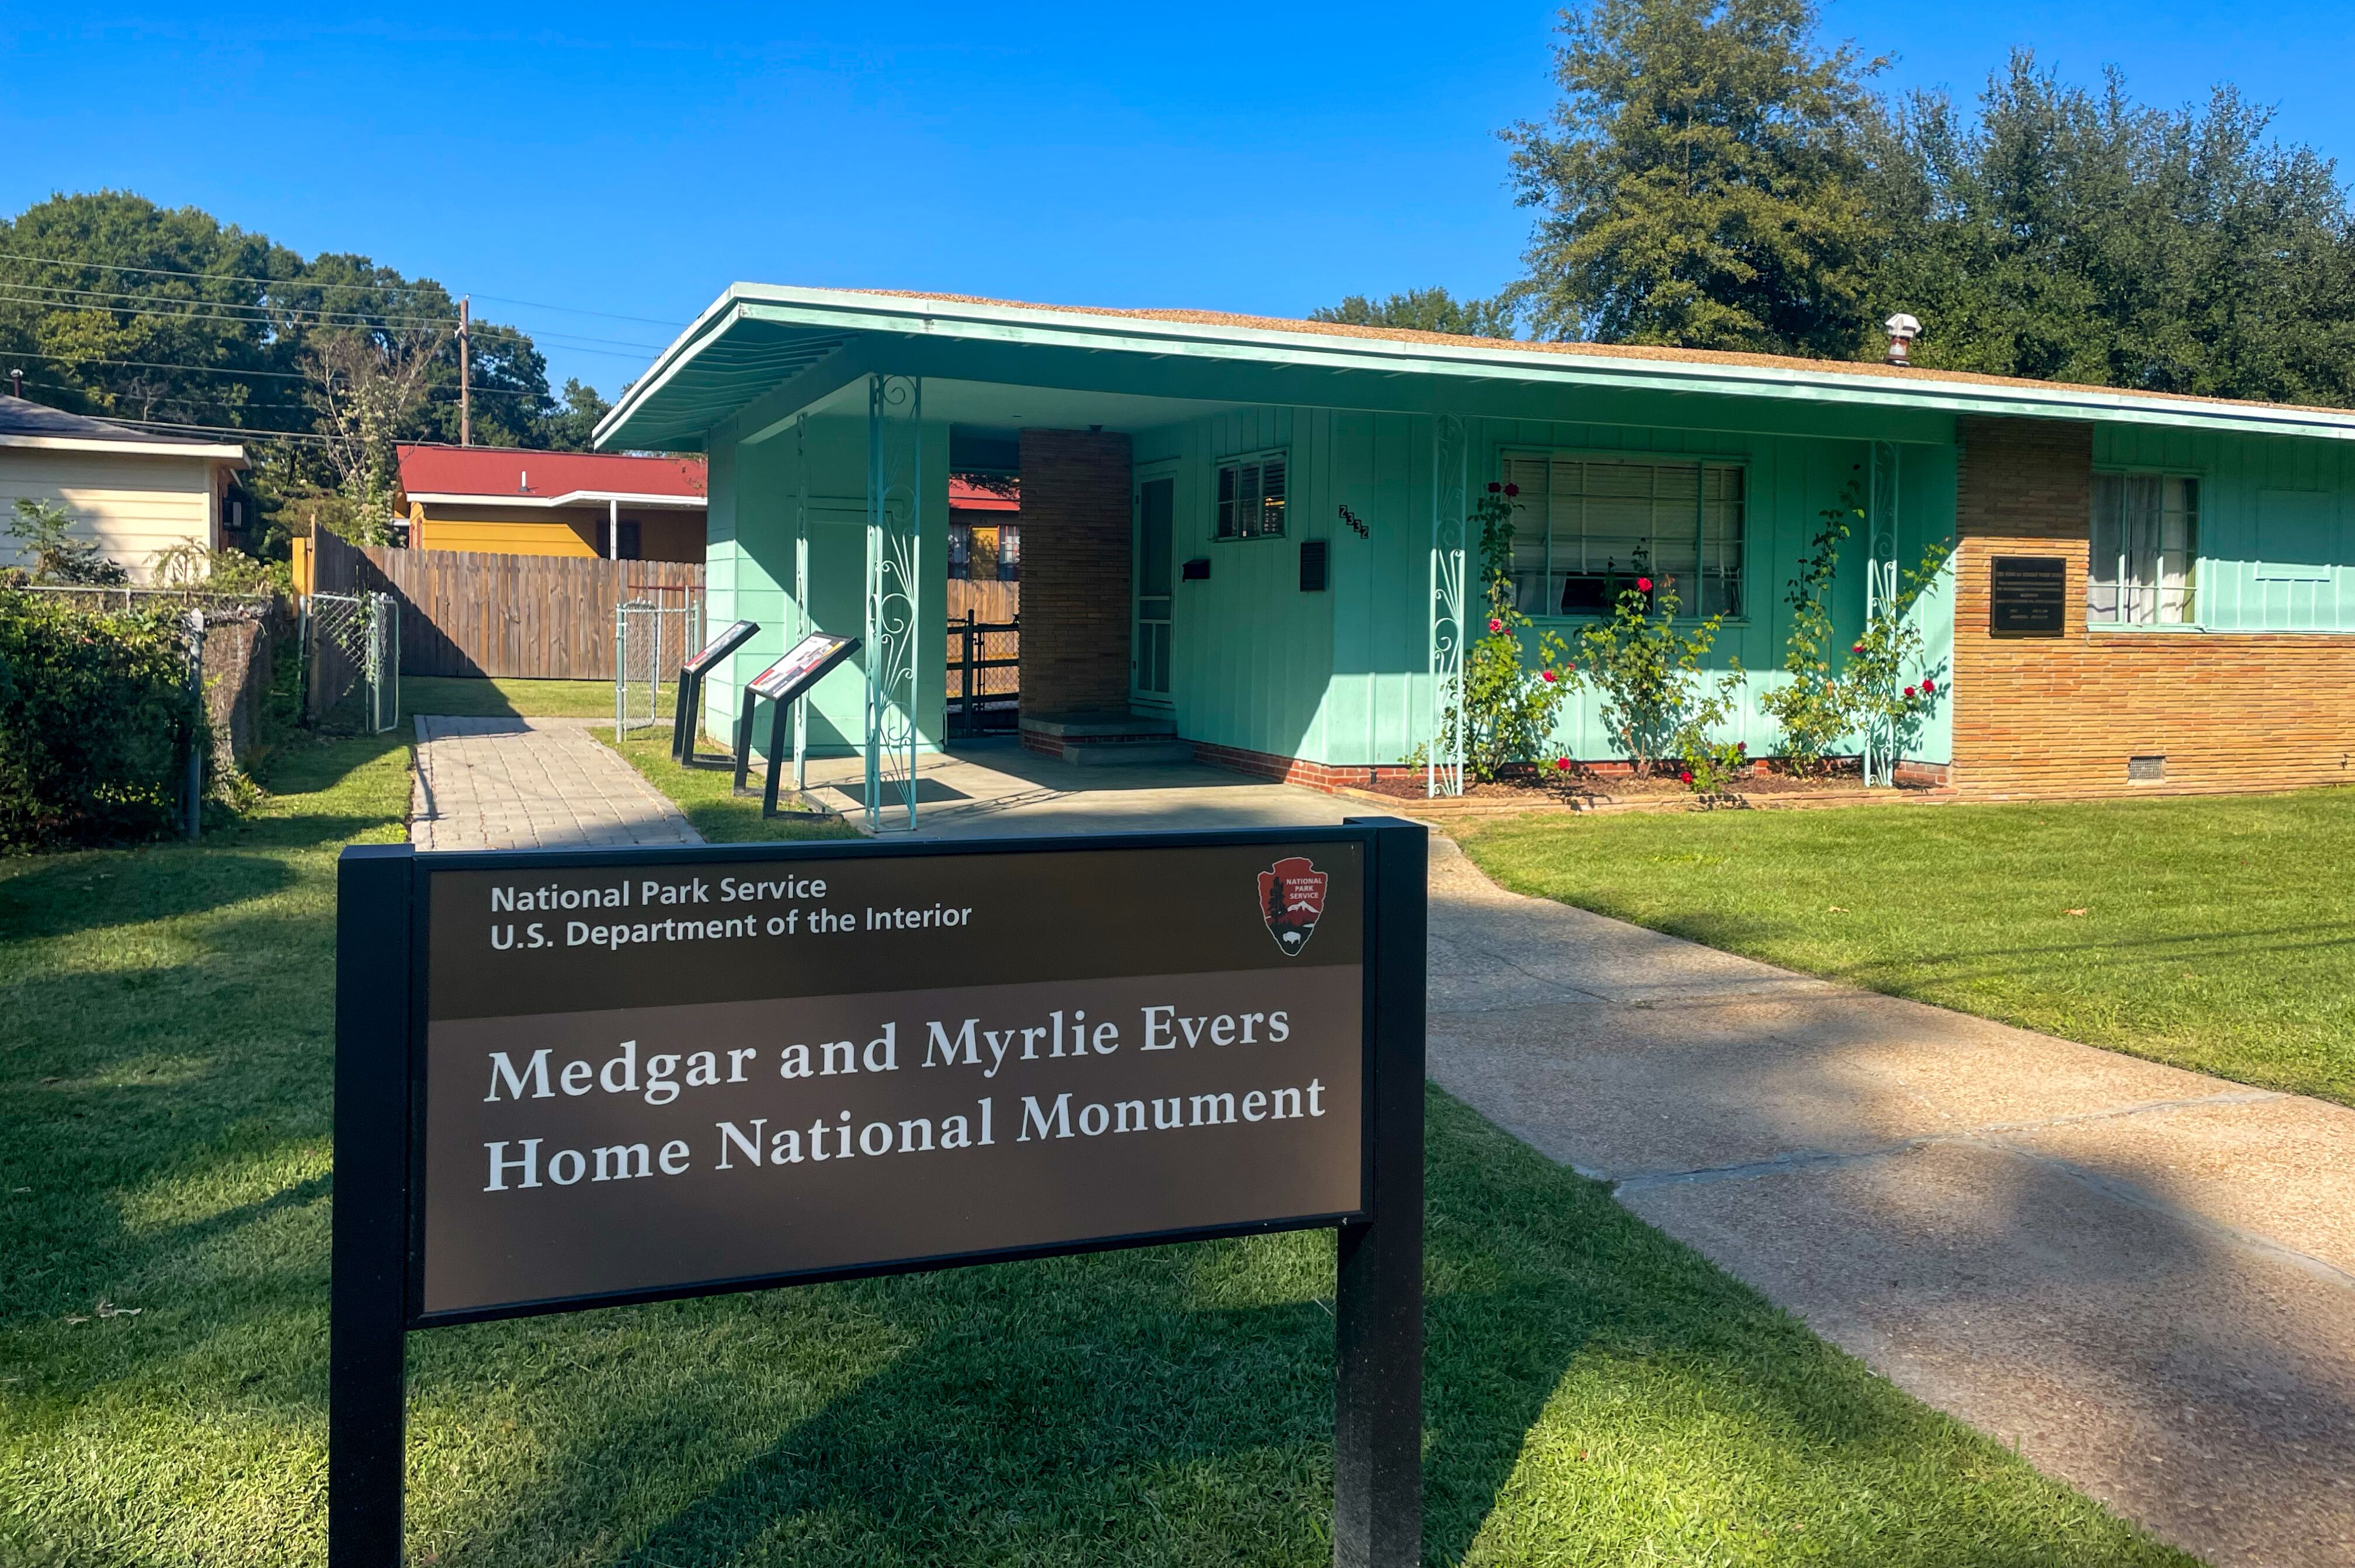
[636, 159]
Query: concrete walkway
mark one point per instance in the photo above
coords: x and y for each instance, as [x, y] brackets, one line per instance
[2143, 1277]
[531, 783]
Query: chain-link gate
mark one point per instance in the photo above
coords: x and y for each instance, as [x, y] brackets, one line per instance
[351, 644]
[650, 642]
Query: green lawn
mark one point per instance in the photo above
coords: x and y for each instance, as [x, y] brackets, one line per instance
[1597, 1394]
[2212, 933]
[500, 697]
[707, 795]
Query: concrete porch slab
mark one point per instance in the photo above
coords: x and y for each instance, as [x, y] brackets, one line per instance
[993, 788]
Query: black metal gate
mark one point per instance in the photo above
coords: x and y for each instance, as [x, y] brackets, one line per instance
[984, 683]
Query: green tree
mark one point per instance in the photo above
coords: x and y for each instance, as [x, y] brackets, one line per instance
[1702, 181]
[574, 426]
[1426, 309]
[2078, 236]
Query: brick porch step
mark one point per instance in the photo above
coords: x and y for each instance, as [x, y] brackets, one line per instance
[1111, 739]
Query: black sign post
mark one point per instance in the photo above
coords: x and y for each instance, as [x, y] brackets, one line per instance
[784, 683]
[577, 1079]
[687, 711]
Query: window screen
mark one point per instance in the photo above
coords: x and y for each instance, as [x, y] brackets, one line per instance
[1585, 529]
[1251, 498]
[2145, 542]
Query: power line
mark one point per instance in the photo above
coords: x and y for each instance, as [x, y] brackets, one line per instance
[307, 284]
[206, 428]
[228, 313]
[229, 370]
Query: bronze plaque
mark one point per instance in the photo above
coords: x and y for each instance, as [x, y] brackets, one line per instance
[2029, 596]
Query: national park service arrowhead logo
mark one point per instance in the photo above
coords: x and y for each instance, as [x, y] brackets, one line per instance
[1292, 901]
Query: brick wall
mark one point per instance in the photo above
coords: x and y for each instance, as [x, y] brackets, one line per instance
[1075, 561]
[2060, 716]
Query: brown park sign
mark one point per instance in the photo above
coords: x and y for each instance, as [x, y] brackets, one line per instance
[588, 1078]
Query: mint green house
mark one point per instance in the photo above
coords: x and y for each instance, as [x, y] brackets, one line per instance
[1247, 536]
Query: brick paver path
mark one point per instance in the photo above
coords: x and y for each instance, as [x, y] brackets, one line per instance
[531, 783]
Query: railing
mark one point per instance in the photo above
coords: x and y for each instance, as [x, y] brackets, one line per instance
[984, 683]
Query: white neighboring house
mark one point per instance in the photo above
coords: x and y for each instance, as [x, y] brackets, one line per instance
[135, 493]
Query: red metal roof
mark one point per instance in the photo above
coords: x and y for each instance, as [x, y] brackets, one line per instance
[521, 473]
[965, 497]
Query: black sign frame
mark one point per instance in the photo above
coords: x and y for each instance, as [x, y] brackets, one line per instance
[2027, 596]
[687, 706]
[377, 1248]
[780, 706]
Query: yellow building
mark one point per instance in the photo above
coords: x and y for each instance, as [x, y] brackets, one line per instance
[514, 501]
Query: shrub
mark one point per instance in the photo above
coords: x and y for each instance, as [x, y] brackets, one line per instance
[1657, 702]
[96, 717]
[1508, 714]
[42, 531]
[192, 566]
[1813, 709]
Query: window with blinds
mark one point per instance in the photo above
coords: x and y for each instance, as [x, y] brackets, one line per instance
[1586, 528]
[1251, 497]
[2145, 551]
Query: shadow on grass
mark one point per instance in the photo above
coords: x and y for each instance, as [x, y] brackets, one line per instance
[1174, 1405]
[97, 890]
[308, 764]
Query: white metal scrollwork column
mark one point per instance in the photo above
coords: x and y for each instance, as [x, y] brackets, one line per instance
[800, 624]
[1443, 751]
[1881, 594]
[895, 478]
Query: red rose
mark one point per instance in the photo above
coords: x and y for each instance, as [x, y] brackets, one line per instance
[1512, 489]
[1858, 649]
[1549, 675]
[1926, 687]
[1494, 487]
[1686, 778]
[1643, 586]
[1743, 746]
[1494, 626]
[1562, 764]
[1909, 691]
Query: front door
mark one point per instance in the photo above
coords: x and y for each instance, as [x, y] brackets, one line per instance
[1156, 516]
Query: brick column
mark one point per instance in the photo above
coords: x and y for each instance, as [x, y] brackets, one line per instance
[2023, 487]
[1075, 572]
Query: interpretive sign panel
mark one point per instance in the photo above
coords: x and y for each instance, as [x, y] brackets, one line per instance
[687, 711]
[802, 667]
[731, 637]
[573, 1079]
[648, 1078]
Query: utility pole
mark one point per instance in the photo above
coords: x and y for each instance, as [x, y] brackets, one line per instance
[465, 372]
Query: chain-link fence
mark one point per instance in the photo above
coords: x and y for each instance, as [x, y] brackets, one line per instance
[650, 642]
[351, 646]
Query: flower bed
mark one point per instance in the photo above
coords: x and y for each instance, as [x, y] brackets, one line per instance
[1580, 787]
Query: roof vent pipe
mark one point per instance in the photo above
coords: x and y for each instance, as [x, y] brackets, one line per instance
[1902, 330]
[15, 383]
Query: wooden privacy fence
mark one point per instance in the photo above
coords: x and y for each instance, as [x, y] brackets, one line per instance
[541, 617]
[991, 603]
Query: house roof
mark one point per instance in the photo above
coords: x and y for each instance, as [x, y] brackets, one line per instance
[524, 477]
[26, 423]
[760, 353]
[964, 496]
